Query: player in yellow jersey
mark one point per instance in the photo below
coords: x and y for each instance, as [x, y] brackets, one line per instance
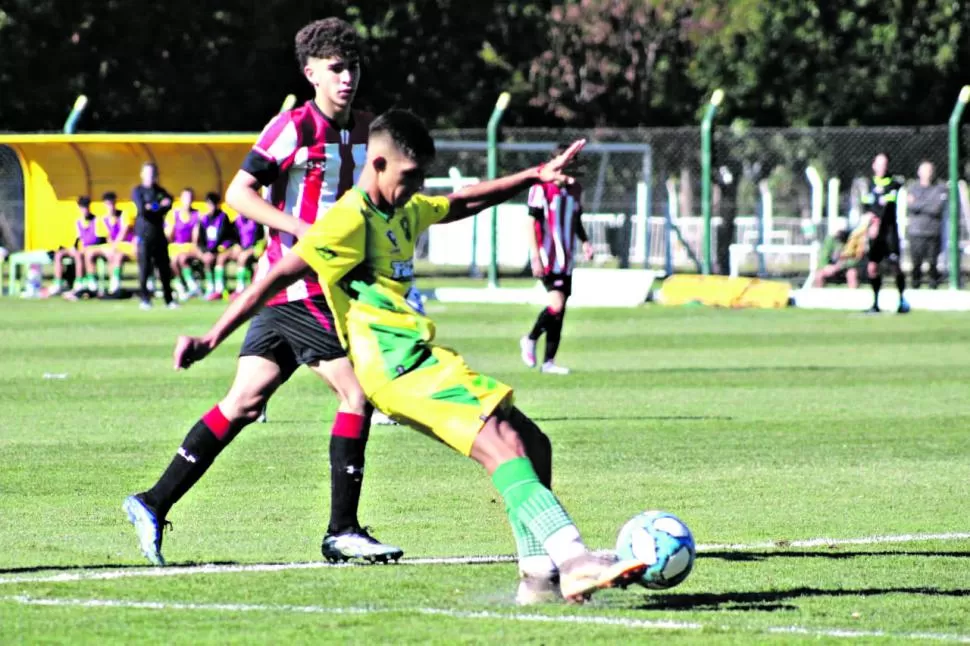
[362, 250]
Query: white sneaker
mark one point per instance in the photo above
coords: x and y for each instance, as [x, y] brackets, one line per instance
[551, 368]
[144, 306]
[380, 419]
[358, 544]
[172, 306]
[528, 348]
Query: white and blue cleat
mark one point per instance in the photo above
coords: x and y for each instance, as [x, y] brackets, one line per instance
[148, 528]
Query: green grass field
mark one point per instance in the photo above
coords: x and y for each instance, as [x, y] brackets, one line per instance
[761, 429]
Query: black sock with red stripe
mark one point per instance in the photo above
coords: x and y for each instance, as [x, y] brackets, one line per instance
[554, 333]
[198, 451]
[541, 324]
[348, 439]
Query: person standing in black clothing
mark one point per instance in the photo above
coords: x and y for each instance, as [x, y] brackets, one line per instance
[927, 204]
[152, 202]
[880, 206]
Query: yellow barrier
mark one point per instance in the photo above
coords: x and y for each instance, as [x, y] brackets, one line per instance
[59, 168]
[722, 291]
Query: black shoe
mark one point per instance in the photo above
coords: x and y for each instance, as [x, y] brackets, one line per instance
[873, 310]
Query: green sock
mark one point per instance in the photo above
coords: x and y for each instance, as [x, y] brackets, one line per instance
[220, 279]
[188, 278]
[91, 280]
[208, 280]
[240, 278]
[56, 283]
[536, 509]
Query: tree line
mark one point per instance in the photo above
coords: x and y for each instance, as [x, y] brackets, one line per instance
[210, 65]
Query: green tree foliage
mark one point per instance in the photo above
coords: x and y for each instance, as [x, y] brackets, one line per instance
[202, 65]
[871, 62]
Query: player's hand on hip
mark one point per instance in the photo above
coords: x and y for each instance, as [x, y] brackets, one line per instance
[554, 170]
[188, 350]
[588, 250]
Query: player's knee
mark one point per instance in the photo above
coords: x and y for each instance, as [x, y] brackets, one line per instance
[243, 408]
[352, 398]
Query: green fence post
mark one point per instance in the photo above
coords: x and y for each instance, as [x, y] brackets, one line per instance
[493, 121]
[706, 126]
[954, 186]
[71, 124]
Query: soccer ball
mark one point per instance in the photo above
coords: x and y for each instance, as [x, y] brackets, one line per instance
[663, 542]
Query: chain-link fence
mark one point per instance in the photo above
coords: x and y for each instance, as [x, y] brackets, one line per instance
[762, 189]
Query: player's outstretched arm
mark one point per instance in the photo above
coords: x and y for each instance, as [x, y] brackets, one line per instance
[189, 349]
[478, 197]
[243, 196]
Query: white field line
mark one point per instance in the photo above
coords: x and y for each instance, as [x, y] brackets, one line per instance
[138, 572]
[594, 620]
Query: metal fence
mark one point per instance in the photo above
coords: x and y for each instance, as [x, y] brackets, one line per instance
[750, 166]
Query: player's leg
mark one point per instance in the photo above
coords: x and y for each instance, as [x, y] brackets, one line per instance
[527, 344]
[875, 280]
[184, 261]
[852, 277]
[208, 262]
[58, 284]
[547, 538]
[917, 252]
[222, 259]
[933, 258]
[450, 401]
[895, 260]
[309, 329]
[243, 271]
[163, 265]
[144, 271]
[557, 313]
[265, 362]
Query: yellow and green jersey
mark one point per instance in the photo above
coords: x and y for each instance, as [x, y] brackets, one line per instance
[365, 261]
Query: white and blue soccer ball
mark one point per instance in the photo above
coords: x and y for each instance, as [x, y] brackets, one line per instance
[663, 542]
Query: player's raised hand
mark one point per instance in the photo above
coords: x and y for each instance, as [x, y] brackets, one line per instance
[554, 170]
[188, 350]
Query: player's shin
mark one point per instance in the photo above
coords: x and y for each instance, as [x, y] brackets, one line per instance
[554, 334]
[198, 451]
[348, 440]
[534, 506]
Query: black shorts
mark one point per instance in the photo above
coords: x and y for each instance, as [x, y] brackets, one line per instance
[294, 334]
[884, 247]
[559, 283]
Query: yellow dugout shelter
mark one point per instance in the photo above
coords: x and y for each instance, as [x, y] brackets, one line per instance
[42, 175]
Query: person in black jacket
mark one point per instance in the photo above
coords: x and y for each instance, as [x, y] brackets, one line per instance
[927, 203]
[152, 202]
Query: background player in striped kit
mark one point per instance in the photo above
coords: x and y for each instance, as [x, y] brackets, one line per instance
[558, 223]
[308, 157]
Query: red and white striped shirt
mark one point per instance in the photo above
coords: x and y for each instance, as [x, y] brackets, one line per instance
[307, 162]
[557, 210]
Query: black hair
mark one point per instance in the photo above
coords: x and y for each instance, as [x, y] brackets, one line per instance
[408, 133]
[84, 201]
[109, 196]
[189, 189]
[842, 236]
[328, 38]
[213, 198]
